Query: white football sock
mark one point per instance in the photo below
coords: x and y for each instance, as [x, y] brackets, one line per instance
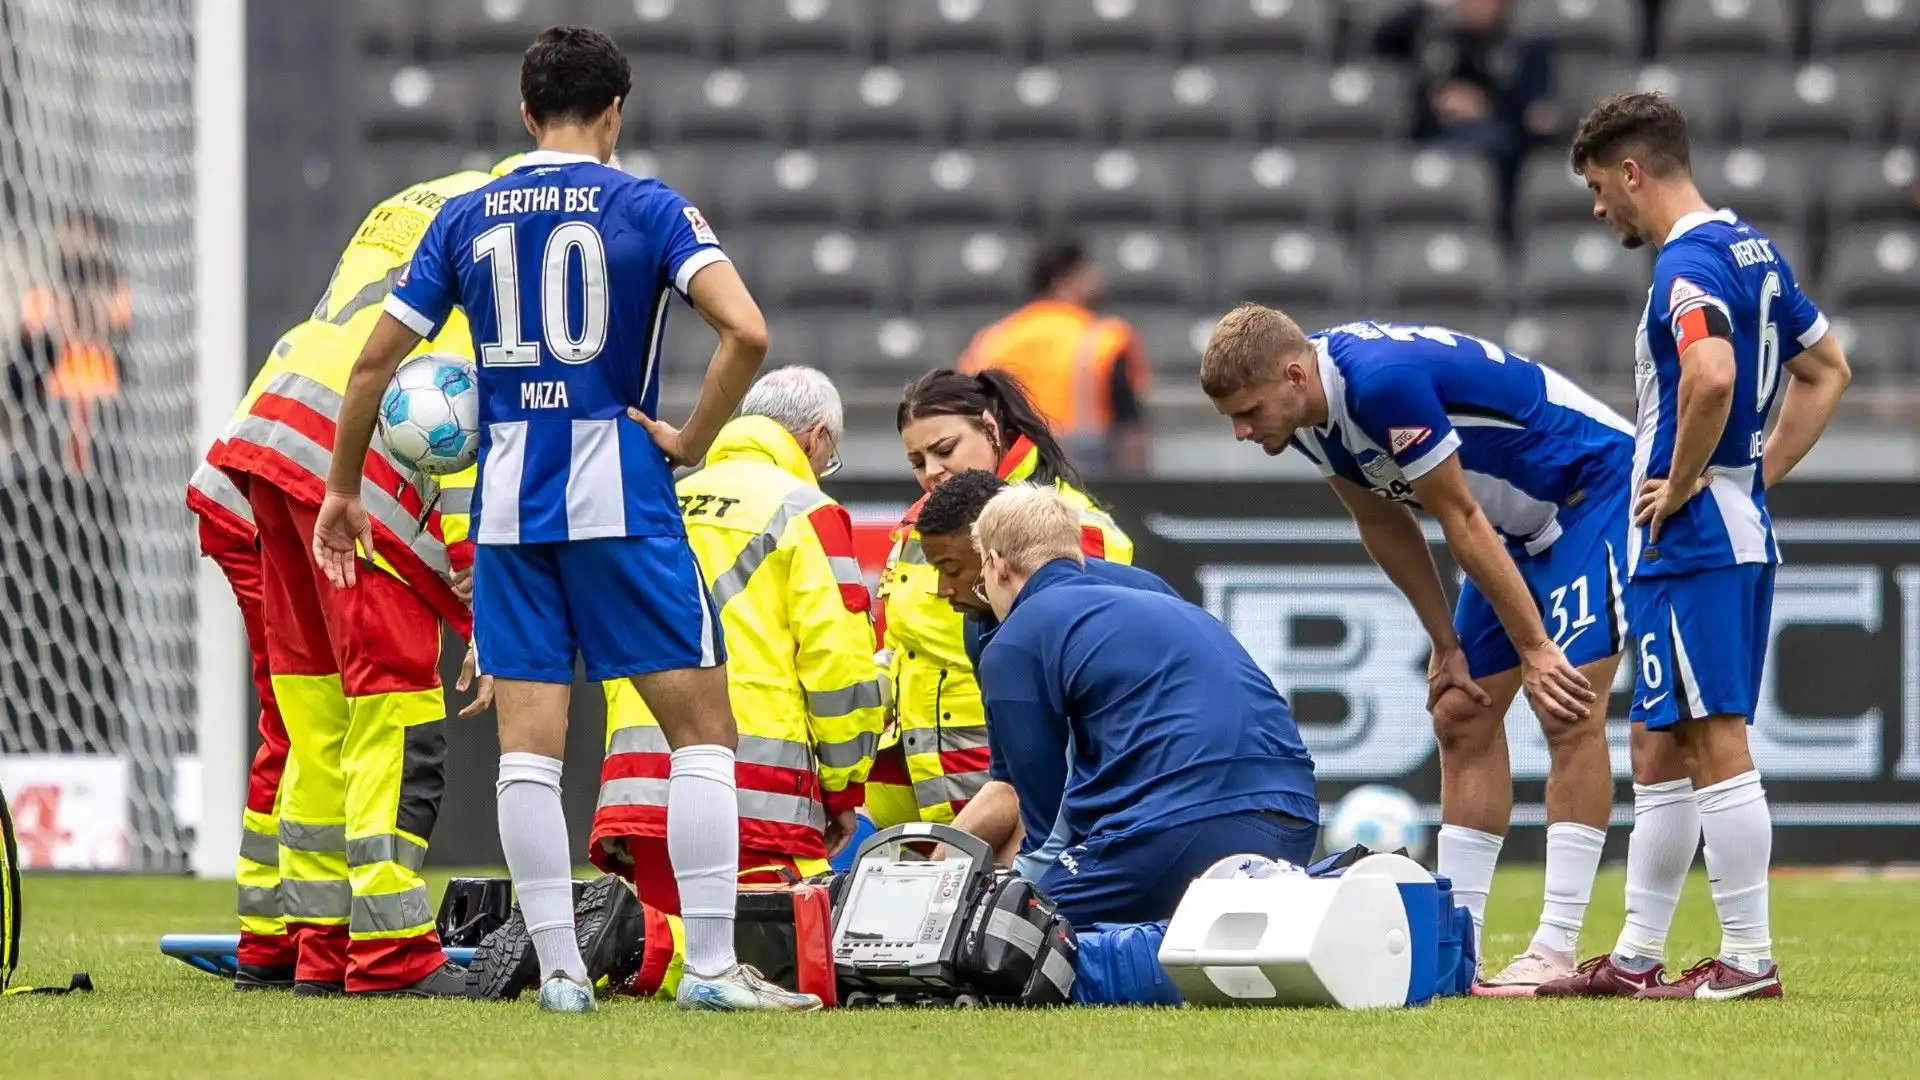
[1466, 858]
[1738, 830]
[1573, 858]
[533, 835]
[703, 840]
[1666, 832]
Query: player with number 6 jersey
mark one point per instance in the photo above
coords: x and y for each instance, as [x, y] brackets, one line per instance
[1724, 316]
[1527, 475]
[565, 268]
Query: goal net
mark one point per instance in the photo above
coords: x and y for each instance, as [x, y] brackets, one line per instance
[97, 321]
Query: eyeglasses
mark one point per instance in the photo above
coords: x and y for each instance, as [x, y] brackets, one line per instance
[833, 459]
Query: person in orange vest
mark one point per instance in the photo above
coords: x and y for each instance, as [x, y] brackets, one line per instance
[71, 333]
[1085, 372]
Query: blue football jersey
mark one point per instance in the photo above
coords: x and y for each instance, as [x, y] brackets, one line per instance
[1720, 261]
[565, 268]
[1402, 399]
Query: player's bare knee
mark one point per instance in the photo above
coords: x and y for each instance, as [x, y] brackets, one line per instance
[691, 705]
[1463, 727]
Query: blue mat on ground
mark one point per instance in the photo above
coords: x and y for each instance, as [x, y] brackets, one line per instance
[215, 954]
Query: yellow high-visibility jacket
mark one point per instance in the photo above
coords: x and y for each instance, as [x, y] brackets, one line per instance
[796, 618]
[283, 429]
[941, 727]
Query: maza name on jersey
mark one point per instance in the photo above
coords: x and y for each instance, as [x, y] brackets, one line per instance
[545, 394]
[552, 199]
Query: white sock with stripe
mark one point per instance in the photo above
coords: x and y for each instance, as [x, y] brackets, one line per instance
[533, 836]
[1738, 830]
[703, 840]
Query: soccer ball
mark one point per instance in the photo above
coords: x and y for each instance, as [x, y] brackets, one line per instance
[430, 415]
[1250, 866]
[1383, 818]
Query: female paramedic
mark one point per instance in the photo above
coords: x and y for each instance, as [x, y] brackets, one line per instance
[933, 758]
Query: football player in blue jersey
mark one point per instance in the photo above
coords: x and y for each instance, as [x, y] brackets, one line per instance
[565, 268]
[1527, 475]
[1725, 316]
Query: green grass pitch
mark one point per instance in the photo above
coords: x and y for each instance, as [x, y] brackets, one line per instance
[1850, 952]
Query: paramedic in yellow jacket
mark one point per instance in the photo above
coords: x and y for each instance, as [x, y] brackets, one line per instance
[778, 556]
[354, 671]
[934, 757]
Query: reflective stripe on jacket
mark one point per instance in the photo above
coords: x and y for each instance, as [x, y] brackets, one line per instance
[942, 726]
[778, 556]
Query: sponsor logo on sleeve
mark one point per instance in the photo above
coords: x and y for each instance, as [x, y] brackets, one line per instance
[1683, 296]
[1400, 439]
[702, 231]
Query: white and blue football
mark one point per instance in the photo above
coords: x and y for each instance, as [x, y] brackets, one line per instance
[1383, 818]
[430, 414]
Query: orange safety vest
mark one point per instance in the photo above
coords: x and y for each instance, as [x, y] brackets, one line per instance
[1064, 355]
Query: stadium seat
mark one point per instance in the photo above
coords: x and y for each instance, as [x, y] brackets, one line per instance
[1876, 31]
[828, 269]
[1907, 113]
[1567, 345]
[1872, 186]
[1427, 187]
[489, 98]
[1581, 29]
[968, 268]
[1274, 183]
[1083, 28]
[953, 186]
[490, 26]
[785, 29]
[1702, 97]
[1578, 266]
[879, 103]
[882, 352]
[1438, 266]
[1355, 102]
[1761, 186]
[956, 29]
[410, 102]
[1149, 266]
[1873, 267]
[725, 105]
[1190, 103]
[1268, 28]
[1877, 346]
[1009, 103]
[788, 187]
[1478, 321]
[1724, 32]
[1172, 341]
[1090, 187]
[1286, 267]
[1817, 106]
[1794, 246]
[1550, 193]
[650, 30]
[388, 27]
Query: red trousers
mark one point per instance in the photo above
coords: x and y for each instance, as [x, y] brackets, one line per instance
[263, 933]
[652, 872]
[356, 675]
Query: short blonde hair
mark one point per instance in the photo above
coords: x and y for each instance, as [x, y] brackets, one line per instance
[1029, 525]
[1247, 348]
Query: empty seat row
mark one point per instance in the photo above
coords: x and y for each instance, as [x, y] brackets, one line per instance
[1815, 102]
[1572, 270]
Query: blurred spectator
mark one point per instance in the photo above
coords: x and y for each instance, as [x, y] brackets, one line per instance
[1085, 372]
[71, 326]
[1480, 85]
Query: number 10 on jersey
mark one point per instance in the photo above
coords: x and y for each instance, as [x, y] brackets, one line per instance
[498, 247]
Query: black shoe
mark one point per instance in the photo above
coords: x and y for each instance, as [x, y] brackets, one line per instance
[611, 925]
[449, 980]
[263, 977]
[504, 962]
[319, 989]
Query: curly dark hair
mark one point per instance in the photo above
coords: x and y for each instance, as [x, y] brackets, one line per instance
[570, 74]
[1647, 127]
[955, 505]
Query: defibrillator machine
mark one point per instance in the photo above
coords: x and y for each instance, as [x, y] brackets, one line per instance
[908, 928]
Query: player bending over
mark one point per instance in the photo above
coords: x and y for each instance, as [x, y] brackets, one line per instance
[565, 267]
[1724, 316]
[1527, 475]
